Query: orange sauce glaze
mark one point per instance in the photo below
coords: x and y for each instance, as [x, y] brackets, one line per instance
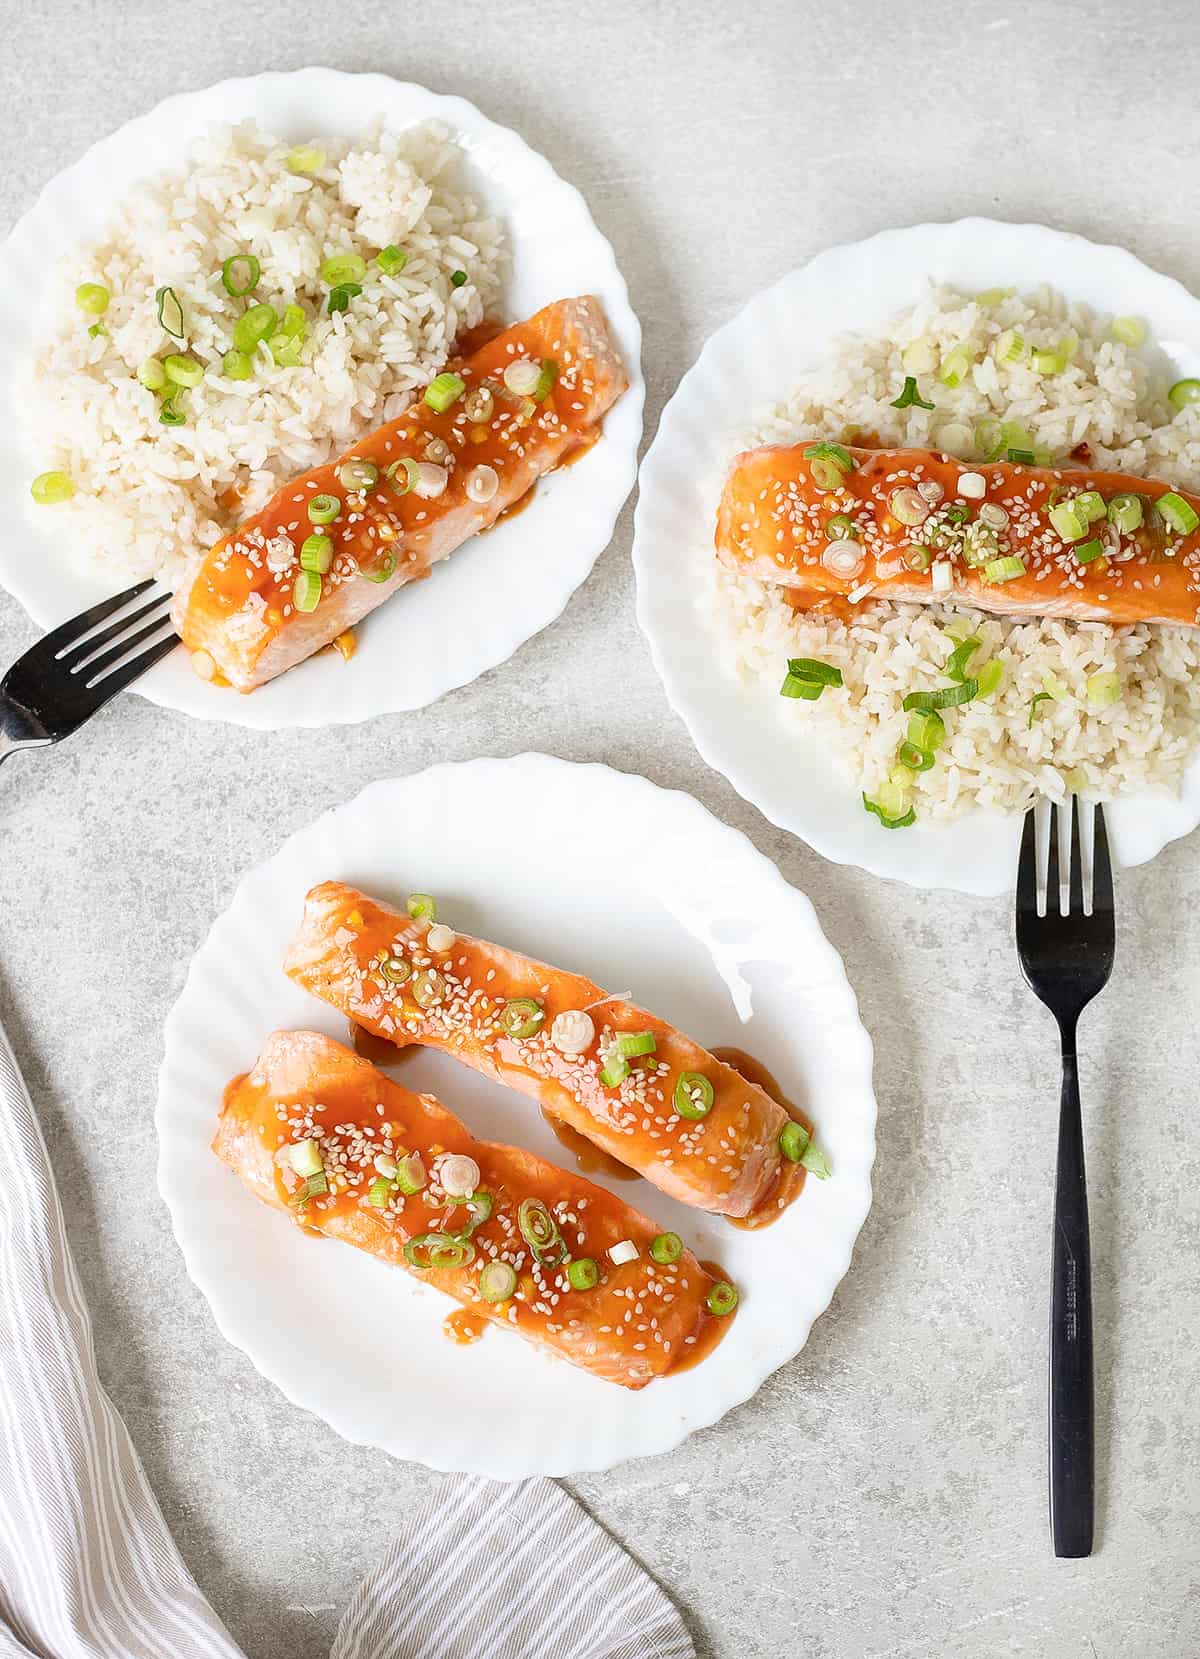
[713, 1330]
[790, 1182]
[463, 1327]
[591, 1159]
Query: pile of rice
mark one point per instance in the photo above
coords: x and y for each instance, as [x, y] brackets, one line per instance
[1109, 397]
[148, 496]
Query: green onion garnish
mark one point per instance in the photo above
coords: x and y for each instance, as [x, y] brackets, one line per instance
[1009, 346]
[666, 1248]
[383, 571]
[293, 323]
[169, 412]
[633, 1043]
[237, 365]
[1178, 513]
[538, 1227]
[396, 970]
[402, 475]
[957, 513]
[910, 396]
[1023, 457]
[428, 988]
[1182, 393]
[152, 374]
[1104, 689]
[341, 268]
[1091, 504]
[583, 1274]
[1038, 697]
[1048, 362]
[170, 312]
[314, 1187]
[1086, 551]
[722, 1298]
[916, 760]
[443, 391]
[902, 822]
[316, 553]
[1006, 569]
[807, 678]
[305, 1157]
[391, 260]
[956, 663]
[410, 1174]
[422, 907]
[358, 474]
[285, 350]
[259, 322]
[926, 731]
[1128, 331]
[305, 159]
[438, 1251]
[306, 591]
[948, 697]
[1067, 519]
[694, 1095]
[183, 371]
[840, 456]
[990, 676]
[457, 279]
[49, 488]
[993, 296]
[522, 1017]
[379, 1192]
[323, 509]
[614, 1071]
[793, 1141]
[955, 365]
[479, 1209]
[1125, 511]
[240, 274]
[545, 380]
[340, 297]
[841, 527]
[92, 297]
[497, 1282]
[826, 474]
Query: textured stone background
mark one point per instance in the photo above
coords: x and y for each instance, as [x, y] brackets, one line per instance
[884, 1494]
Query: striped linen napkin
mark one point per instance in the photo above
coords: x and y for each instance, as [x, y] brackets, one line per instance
[88, 1569]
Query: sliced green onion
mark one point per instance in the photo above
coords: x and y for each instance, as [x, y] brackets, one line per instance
[170, 312]
[457, 279]
[993, 296]
[841, 527]
[497, 1282]
[422, 907]
[1038, 697]
[314, 1187]
[917, 557]
[293, 323]
[402, 475]
[438, 1251]
[358, 474]
[666, 1248]
[237, 365]
[1086, 551]
[807, 677]
[396, 970]
[92, 297]
[1053, 687]
[522, 1017]
[257, 323]
[1128, 331]
[285, 350]
[826, 474]
[1178, 513]
[1091, 504]
[240, 274]
[379, 1192]
[169, 412]
[410, 1174]
[428, 988]
[1048, 362]
[183, 371]
[340, 297]
[583, 1274]
[341, 268]
[956, 662]
[479, 1209]
[1182, 393]
[444, 390]
[902, 822]
[383, 571]
[632, 1043]
[910, 396]
[49, 488]
[956, 513]
[305, 1157]
[316, 553]
[391, 260]
[989, 438]
[323, 509]
[913, 759]
[614, 1071]
[1104, 689]
[545, 380]
[892, 798]
[990, 676]
[722, 1298]
[538, 1227]
[903, 777]
[306, 590]
[1066, 518]
[1006, 569]
[793, 1141]
[1125, 511]
[1022, 457]
[1009, 346]
[926, 731]
[305, 159]
[694, 1095]
[96, 330]
[948, 697]
[955, 366]
[816, 1163]
[152, 374]
[837, 453]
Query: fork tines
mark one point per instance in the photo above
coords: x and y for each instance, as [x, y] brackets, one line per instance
[1089, 885]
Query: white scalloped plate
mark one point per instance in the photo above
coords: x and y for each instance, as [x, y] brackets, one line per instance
[756, 360]
[581, 865]
[494, 594]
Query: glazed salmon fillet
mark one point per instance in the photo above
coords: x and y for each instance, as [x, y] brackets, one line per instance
[311, 1105]
[400, 500]
[668, 1108]
[838, 524]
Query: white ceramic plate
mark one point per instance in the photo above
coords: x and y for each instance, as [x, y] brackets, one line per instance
[478, 607]
[596, 870]
[756, 360]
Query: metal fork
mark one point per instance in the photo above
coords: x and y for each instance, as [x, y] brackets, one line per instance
[62, 680]
[1067, 960]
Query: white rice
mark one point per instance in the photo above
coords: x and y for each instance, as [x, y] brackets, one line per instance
[150, 496]
[1110, 397]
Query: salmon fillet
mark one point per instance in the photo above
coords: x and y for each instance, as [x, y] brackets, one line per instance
[774, 523]
[727, 1161]
[236, 611]
[305, 1088]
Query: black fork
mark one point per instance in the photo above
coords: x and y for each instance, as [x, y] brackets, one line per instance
[62, 680]
[1067, 959]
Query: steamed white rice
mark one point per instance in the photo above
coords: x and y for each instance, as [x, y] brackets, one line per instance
[1110, 397]
[149, 496]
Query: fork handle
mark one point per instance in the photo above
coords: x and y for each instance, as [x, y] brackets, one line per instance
[1072, 1429]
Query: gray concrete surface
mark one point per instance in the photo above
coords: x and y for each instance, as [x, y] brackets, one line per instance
[884, 1494]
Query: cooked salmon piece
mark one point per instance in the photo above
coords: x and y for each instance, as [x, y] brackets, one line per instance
[323, 1136]
[838, 524]
[332, 545]
[666, 1107]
